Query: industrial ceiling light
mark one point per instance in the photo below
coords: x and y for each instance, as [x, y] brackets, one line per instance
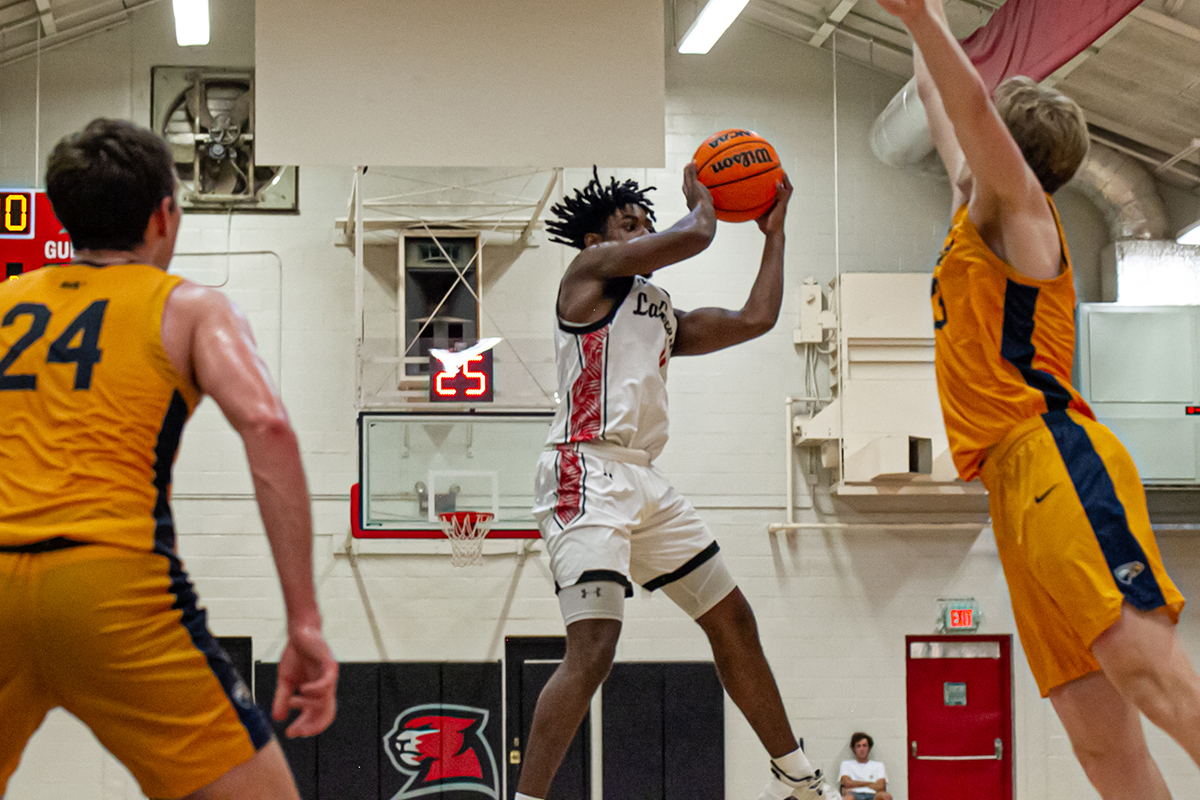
[716, 16]
[191, 22]
[1190, 234]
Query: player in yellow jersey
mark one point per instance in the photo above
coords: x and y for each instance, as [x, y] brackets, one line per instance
[101, 363]
[1093, 605]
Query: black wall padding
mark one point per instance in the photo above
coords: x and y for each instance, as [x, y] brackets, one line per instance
[573, 780]
[694, 733]
[378, 700]
[348, 750]
[301, 754]
[664, 732]
[402, 686]
[632, 719]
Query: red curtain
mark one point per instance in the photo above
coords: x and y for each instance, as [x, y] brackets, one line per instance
[1036, 37]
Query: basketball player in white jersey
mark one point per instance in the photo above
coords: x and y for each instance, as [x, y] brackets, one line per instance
[609, 517]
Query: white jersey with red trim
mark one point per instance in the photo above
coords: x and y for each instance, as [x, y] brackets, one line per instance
[612, 374]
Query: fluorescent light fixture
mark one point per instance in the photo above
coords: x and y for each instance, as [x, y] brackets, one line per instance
[1190, 234]
[716, 16]
[191, 22]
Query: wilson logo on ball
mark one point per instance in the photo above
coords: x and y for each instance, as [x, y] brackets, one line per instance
[760, 156]
[741, 170]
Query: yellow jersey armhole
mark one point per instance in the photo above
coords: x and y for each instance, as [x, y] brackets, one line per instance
[155, 351]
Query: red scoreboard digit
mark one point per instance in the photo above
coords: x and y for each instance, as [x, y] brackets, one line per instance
[470, 384]
[30, 235]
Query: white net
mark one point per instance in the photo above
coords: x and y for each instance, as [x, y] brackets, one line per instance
[466, 531]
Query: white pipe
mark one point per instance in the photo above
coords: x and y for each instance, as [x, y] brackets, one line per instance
[778, 527]
[359, 287]
[788, 456]
[788, 451]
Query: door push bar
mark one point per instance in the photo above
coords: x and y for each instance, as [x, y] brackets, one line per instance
[995, 756]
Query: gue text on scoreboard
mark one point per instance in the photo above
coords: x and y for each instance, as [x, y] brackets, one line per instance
[31, 236]
[958, 615]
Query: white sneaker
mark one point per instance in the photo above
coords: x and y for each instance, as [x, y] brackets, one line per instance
[786, 787]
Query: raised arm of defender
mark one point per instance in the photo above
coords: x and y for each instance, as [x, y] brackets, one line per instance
[994, 158]
[209, 342]
[707, 329]
[941, 131]
[1007, 202]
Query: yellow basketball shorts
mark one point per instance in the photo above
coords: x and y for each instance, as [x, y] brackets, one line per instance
[116, 637]
[1074, 536]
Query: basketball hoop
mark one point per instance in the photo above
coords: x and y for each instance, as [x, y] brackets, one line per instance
[466, 531]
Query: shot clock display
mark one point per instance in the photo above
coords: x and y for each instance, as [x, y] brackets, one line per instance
[470, 383]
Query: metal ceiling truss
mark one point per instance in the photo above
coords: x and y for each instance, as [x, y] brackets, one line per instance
[43, 30]
[440, 204]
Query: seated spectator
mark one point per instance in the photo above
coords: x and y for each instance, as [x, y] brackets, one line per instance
[863, 779]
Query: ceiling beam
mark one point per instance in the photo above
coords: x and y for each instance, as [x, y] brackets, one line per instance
[781, 18]
[1166, 23]
[1180, 156]
[1054, 78]
[831, 22]
[49, 26]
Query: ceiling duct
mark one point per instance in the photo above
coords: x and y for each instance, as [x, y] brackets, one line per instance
[1120, 187]
[1124, 191]
[900, 134]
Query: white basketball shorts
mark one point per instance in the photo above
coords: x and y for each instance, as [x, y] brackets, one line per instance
[607, 514]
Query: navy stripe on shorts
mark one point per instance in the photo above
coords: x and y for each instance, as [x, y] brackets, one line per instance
[1124, 554]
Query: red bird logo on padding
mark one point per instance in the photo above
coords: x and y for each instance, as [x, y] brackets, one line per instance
[442, 748]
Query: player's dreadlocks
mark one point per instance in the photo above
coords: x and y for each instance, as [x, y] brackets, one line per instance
[590, 208]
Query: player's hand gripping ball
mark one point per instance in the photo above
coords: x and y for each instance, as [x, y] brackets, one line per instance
[741, 169]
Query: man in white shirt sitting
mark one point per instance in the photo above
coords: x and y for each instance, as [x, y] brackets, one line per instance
[863, 779]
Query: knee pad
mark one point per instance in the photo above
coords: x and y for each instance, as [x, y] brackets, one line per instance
[702, 588]
[592, 600]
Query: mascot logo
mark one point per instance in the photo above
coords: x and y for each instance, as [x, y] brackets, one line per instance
[441, 748]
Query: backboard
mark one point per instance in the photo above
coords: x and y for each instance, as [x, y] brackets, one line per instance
[414, 465]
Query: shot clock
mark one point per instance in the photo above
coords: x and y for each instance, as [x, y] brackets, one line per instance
[30, 235]
[462, 376]
[470, 383]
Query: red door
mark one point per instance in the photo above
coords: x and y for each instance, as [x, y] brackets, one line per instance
[959, 717]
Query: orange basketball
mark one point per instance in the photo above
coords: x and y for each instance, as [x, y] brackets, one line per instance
[741, 169]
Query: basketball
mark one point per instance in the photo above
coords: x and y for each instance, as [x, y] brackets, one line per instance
[741, 169]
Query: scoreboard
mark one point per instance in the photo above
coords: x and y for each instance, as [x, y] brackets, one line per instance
[30, 235]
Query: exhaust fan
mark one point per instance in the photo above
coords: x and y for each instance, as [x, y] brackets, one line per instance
[207, 117]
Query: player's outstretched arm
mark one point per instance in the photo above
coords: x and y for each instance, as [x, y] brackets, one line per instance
[707, 329]
[210, 341]
[999, 170]
[941, 131]
[653, 251]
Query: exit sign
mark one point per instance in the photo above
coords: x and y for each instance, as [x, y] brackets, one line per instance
[958, 615]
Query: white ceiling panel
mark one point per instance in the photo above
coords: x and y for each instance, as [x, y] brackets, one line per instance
[460, 82]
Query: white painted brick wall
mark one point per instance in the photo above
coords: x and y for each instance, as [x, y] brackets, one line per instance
[833, 607]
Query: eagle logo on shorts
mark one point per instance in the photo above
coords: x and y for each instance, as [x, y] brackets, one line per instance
[1127, 572]
[441, 748]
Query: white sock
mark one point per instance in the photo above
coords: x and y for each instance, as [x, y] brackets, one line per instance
[794, 765]
[525, 797]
